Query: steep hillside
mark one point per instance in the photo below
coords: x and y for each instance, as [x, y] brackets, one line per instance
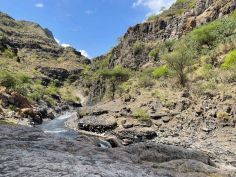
[135, 46]
[35, 71]
[171, 80]
[28, 40]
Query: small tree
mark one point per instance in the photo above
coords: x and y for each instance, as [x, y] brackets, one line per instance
[179, 61]
[116, 76]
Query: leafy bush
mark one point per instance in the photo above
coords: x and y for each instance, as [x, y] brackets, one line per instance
[118, 73]
[13, 80]
[179, 61]
[154, 53]
[137, 47]
[8, 80]
[145, 81]
[213, 33]
[161, 71]
[9, 53]
[206, 33]
[230, 60]
[105, 61]
[34, 96]
[206, 71]
[141, 114]
[115, 76]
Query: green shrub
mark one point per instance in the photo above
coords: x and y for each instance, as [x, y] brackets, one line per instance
[34, 96]
[9, 53]
[230, 60]
[49, 100]
[8, 80]
[206, 71]
[141, 114]
[115, 76]
[138, 47]
[154, 53]
[179, 61]
[161, 71]
[145, 81]
[72, 78]
[105, 61]
[118, 73]
[153, 17]
[206, 34]
[50, 90]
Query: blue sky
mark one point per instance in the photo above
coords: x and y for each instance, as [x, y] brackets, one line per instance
[92, 26]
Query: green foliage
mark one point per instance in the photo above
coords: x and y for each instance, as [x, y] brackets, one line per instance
[35, 96]
[13, 80]
[230, 60]
[50, 90]
[154, 53]
[179, 61]
[115, 77]
[105, 62]
[177, 9]
[161, 71]
[137, 47]
[213, 33]
[141, 114]
[9, 53]
[145, 81]
[7, 79]
[206, 71]
[207, 86]
[206, 34]
[49, 100]
[167, 46]
[153, 17]
[72, 78]
[117, 74]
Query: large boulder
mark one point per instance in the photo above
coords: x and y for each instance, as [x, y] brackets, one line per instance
[136, 134]
[14, 98]
[99, 124]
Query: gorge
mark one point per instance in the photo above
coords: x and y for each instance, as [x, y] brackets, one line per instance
[160, 103]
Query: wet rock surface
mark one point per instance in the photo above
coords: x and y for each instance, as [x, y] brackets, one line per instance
[30, 152]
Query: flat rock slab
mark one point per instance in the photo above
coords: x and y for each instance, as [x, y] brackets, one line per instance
[30, 152]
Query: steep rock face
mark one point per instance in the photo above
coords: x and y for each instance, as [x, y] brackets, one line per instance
[28, 37]
[166, 28]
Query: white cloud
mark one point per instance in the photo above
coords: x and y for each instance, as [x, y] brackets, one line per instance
[57, 40]
[154, 6]
[84, 53]
[65, 45]
[39, 5]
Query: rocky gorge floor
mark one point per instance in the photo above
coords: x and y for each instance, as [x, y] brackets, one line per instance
[196, 126]
[31, 152]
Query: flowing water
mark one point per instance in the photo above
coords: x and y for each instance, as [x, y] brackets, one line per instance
[57, 126]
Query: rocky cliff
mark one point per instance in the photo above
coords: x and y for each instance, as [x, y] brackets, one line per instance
[171, 24]
[28, 38]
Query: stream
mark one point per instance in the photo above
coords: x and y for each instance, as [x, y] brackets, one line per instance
[57, 128]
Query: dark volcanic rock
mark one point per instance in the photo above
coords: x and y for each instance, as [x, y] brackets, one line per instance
[55, 73]
[29, 152]
[136, 134]
[98, 124]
